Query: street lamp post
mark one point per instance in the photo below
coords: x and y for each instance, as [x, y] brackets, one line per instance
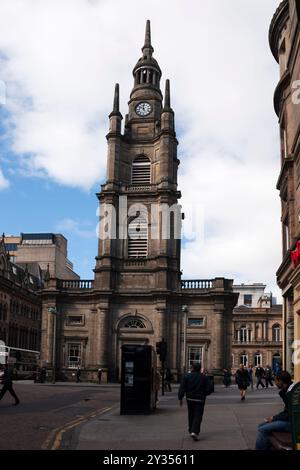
[54, 313]
[184, 310]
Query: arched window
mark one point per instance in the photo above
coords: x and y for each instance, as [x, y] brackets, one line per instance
[141, 171]
[138, 238]
[276, 332]
[244, 334]
[133, 322]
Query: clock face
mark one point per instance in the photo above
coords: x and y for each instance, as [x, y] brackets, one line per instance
[143, 109]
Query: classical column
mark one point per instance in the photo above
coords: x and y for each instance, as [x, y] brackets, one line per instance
[161, 323]
[103, 335]
[219, 341]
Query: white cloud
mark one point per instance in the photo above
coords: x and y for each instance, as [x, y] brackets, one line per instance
[75, 227]
[4, 183]
[62, 60]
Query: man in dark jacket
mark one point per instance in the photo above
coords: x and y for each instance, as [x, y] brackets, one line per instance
[196, 387]
[268, 376]
[259, 374]
[6, 379]
[281, 421]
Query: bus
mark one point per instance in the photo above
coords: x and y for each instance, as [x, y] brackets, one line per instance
[24, 362]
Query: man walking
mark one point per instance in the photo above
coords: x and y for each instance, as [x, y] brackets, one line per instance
[279, 422]
[99, 374]
[78, 374]
[6, 379]
[259, 373]
[196, 386]
[268, 376]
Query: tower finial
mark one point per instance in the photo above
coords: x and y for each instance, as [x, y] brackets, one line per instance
[116, 99]
[167, 95]
[147, 48]
[116, 105]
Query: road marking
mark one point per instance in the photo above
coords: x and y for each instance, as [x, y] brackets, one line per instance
[53, 442]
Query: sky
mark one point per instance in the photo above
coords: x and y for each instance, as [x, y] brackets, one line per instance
[59, 61]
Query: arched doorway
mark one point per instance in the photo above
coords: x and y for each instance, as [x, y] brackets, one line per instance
[131, 330]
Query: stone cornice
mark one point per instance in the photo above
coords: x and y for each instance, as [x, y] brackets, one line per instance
[278, 21]
[279, 90]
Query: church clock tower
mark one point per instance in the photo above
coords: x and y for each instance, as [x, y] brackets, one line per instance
[137, 295]
[140, 220]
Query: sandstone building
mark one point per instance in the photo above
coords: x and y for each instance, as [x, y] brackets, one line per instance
[137, 295]
[284, 38]
[20, 312]
[256, 328]
[48, 251]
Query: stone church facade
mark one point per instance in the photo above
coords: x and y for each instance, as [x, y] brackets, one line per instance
[137, 295]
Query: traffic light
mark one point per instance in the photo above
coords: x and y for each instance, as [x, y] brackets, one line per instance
[161, 349]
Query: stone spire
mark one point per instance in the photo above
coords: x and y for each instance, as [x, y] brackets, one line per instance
[147, 48]
[116, 105]
[167, 104]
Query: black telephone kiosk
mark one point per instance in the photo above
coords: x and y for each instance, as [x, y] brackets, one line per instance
[138, 379]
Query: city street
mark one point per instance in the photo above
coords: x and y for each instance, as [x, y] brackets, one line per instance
[228, 424]
[86, 416]
[47, 410]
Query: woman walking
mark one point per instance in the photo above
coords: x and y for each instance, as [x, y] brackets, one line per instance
[243, 380]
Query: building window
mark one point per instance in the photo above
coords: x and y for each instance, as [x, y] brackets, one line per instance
[276, 333]
[74, 355]
[11, 246]
[248, 300]
[133, 323]
[75, 320]
[244, 335]
[194, 356]
[283, 139]
[141, 171]
[138, 238]
[286, 235]
[196, 321]
[244, 359]
[258, 360]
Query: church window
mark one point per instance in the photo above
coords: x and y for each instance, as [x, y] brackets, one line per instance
[196, 321]
[75, 320]
[195, 354]
[133, 323]
[74, 355]
[141, 171]
[138, 238]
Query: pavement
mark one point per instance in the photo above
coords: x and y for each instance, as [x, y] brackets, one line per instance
[228, 424]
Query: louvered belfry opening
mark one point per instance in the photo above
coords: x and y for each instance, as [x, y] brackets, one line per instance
[141, 171]
[138, 238]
